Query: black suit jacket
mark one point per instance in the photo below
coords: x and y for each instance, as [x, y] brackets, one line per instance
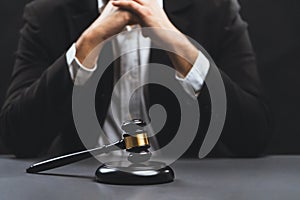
[38, 104]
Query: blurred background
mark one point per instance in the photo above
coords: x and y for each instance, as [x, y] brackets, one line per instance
[274, 27]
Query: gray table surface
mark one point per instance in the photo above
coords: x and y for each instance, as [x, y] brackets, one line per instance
[276, 177]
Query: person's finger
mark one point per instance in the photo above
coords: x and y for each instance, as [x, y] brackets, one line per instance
[132, 6]
[141, 2]
[134, 20]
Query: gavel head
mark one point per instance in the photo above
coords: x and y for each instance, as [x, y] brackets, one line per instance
[136, 141]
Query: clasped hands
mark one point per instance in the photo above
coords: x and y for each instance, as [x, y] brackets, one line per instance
[147, 13]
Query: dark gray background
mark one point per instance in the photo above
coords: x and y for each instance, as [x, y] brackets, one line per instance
[274, 28]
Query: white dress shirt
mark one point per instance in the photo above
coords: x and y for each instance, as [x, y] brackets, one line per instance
[123, 42]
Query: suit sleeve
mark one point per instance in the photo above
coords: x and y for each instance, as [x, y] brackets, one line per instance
[247, 125]
[37, 97]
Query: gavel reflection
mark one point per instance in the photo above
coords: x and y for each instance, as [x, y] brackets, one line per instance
[135, 141]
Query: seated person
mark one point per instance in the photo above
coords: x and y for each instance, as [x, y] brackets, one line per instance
[59, 35]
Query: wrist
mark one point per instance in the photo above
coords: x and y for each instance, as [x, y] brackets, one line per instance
[86, 47]
[183, 53]
[87, 50]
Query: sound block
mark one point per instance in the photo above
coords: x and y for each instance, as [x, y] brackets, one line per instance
[126, 173]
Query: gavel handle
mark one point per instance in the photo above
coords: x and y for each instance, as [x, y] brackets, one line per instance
[74, 157]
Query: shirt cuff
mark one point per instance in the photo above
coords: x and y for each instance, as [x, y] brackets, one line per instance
[79, 73]
[194, 80]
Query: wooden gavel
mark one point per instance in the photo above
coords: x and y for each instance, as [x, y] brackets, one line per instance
[135, 141]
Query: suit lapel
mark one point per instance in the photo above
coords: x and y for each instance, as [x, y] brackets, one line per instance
[178, 13]
[176, 5]
[82, 14]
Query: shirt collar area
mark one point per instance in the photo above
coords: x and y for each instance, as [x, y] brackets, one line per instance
[101, 3]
